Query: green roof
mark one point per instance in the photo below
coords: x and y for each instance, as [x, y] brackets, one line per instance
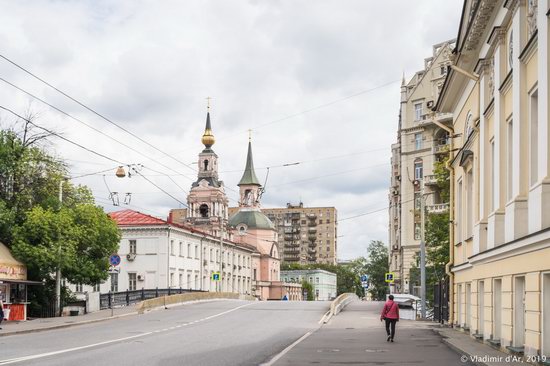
[249, 176]
[253, 219]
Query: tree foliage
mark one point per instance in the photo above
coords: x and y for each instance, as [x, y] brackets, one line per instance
[308, 288]
[376, 268]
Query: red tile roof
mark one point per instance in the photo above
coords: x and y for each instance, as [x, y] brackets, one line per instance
[135, 218]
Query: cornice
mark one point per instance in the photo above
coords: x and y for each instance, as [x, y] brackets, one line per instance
[480, 18]
[530, 48]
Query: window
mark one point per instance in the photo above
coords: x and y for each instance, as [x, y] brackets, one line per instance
[172, 279]
[417, 202]
[418, 141]
[78, 287]
[211, 255]
[189, 250]
[303, 222]
[188, 284]
[254, 275]
[114, 282]
[418, 111]
[533, 137]
[181, 280]
[459, 212]
[133, 247]
[196, 251]
[131, 281]
[203, 210]
[418, 169]
[217, 256]
[320, 221]
[316, 279]
[97, 287]
[172, 248]
[417, 231]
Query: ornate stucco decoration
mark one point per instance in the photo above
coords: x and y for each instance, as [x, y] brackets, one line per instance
[479, 20]
[532, 6]
[491, 76]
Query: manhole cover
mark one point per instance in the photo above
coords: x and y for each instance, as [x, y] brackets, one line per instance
[328, 350]
[376, 350]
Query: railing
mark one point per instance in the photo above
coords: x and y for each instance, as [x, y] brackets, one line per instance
[438, 208]
[126, 298]
[440, 149]
[430, 179]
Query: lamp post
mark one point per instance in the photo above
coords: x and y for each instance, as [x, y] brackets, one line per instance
[422, 251]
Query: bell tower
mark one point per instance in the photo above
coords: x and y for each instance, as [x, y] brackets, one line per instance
[207, 201]
[249, 185]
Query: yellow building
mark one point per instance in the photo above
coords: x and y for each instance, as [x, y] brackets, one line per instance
[497, 91]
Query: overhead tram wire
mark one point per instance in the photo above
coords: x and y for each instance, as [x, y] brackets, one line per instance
[91, 127]
[94, 111]
[89, 150]
[61, 137]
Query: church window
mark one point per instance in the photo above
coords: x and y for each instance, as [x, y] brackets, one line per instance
[203, 209]
[206, 165]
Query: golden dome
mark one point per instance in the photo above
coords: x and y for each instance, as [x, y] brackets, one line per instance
[208, 138]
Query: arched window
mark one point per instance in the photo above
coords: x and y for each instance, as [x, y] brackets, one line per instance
[203, 210]
[206, 165]
[468, 128]
[418, 169]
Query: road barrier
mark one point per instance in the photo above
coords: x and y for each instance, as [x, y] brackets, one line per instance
[339, 304]
[165, 301]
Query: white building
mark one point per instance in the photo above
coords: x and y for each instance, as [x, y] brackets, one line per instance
[158, 254]
[323, 282]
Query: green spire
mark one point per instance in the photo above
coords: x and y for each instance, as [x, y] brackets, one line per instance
[249, 176]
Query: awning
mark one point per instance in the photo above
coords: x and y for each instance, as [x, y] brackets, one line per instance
[26, 282]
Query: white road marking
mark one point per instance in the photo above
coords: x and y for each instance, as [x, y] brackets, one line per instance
[42, 355]
[283, 352]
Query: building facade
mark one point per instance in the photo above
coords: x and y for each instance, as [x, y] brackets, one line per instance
[323, 282]
[498, 94]
[306, 235]
[422, 140]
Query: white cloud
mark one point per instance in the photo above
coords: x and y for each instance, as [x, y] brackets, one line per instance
[150, 65]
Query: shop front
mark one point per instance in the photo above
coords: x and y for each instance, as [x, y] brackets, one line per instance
[13, 285]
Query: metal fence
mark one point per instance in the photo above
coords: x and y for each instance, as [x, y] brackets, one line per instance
[125, 298]
[441, 301]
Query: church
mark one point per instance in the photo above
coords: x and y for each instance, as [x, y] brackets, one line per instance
[208, 212]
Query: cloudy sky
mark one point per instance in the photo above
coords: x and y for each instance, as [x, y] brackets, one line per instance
[317, 81]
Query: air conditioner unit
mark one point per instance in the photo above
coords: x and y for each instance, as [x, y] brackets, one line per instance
[131, 256]
[395, 247]
[416, 182]
[141, 277]
[430, 104]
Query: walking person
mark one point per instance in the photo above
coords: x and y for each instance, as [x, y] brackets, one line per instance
[390, 313]
[1, 309]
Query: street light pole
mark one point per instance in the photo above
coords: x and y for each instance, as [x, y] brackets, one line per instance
[58, 271]
[422, 251]
[221, 255]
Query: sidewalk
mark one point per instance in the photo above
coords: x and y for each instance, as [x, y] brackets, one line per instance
[40, 324]
[479, 353]
[357, 337]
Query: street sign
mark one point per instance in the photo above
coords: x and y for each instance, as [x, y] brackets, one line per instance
[389, 277]
[114, 260]
[113, 269]
[364, 278]
[215, 276]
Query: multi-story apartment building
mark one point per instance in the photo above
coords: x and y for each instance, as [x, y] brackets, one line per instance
[306, 234]
[422, 140]
[497, 91]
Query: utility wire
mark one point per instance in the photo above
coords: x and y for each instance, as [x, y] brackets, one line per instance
[93, 111]
[61, 137]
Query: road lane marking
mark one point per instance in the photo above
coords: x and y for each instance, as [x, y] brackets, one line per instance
[283, 352]
[42, 355]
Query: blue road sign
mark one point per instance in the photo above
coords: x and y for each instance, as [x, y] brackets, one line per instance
[114, 260]
[215, 276]
[364, 278]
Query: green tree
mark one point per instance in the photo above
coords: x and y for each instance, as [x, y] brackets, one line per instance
[308, 288]
[376, 268]
[78, 241]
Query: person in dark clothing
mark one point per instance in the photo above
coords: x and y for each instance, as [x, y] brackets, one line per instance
[390, 313]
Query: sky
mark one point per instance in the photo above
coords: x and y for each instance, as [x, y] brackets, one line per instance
[316, 81]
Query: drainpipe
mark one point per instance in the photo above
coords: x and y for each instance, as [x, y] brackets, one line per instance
[168, 253]
[451, 221]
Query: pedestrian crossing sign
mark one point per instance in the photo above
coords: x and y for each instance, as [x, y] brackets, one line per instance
[215, 276]
[389, 277]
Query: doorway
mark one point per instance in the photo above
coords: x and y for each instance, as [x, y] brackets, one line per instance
[459, 305]
[519, 311]
[497, 309]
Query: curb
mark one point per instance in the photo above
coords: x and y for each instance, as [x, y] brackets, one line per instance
[459, 351]
[61, 326]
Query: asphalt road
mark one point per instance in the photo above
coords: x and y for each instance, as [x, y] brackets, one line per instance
[208, 333]
[357, 337]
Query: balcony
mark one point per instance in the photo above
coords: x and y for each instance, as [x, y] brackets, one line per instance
[291, 258]
[291, 251]
[312, 230]
[312, 258]
[312, 237]
[440, 149]
[292, 245]
[430, 180]
[438, 208]
[311, 251]
[312, 244]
